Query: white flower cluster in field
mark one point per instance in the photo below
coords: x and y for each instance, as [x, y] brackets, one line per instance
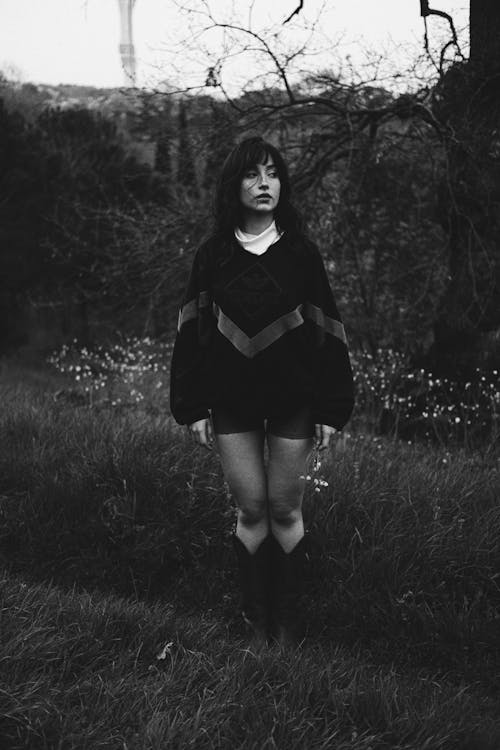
[122, 370]
[387, 386]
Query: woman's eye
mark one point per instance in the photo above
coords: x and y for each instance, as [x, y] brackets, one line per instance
[250, 174]
[272, 174]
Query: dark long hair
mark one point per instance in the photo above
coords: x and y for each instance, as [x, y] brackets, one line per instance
[227, 205]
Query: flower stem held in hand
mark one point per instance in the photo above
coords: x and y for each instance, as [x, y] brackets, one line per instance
[323, 435]
[202, 433]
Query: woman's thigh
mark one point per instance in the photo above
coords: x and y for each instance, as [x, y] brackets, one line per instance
[242, 458]
[287, 466]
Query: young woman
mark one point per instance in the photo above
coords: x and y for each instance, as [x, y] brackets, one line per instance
[260, 354]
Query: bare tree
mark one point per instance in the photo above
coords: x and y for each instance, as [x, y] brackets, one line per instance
[464, 108]
[467, 103]
[333, 127]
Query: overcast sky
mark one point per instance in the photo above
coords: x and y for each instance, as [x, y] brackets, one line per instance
[76, 41]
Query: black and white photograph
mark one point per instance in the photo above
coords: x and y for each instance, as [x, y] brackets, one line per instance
[249, 374]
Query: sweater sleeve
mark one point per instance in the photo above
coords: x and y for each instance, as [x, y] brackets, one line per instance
[333, 399]
[188, 402]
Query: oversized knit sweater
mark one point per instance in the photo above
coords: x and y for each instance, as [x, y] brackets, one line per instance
[261, 332]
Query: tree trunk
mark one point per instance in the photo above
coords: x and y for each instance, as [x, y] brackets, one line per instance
[485, 33]
[468, 101]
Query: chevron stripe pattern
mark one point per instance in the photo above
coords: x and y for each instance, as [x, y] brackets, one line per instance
[190, 309]
[250, 346]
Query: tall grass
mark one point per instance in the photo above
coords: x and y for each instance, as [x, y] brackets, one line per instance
[115, 543]
[93, 671]
[111, 494]
[406, 539]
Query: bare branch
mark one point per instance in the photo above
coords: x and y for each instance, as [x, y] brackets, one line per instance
[295, 12]
[425, 11]
[264, 48]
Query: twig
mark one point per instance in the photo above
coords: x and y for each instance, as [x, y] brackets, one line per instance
[295, 12]
[425, 11]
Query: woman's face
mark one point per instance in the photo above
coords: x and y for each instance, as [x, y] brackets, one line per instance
[260, 188]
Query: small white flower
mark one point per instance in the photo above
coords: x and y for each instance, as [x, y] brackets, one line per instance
[167, 649]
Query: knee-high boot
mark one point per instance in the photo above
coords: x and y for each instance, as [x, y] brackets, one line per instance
[254, 575]
[288, 624]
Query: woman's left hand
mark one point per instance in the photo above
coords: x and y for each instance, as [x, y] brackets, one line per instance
[323, 435]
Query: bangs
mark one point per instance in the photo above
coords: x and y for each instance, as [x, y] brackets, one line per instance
[248, 154]
[255, 153]
[259, 154]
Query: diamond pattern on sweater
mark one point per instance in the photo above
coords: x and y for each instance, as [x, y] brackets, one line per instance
[254, 291]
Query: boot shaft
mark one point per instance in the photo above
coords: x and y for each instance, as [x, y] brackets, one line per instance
[254, 581]
[288, 589]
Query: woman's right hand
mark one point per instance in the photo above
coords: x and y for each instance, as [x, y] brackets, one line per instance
[202, 433]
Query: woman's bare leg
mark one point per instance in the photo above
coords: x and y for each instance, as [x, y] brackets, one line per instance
[242, 458]
[288, 462]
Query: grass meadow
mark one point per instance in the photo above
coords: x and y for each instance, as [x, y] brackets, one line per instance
[119, 601]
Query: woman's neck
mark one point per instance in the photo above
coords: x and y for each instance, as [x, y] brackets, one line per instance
[255, 224]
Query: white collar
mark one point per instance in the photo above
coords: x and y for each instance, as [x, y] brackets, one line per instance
[258, 243]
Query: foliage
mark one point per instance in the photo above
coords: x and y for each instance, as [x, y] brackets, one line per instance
[139, 277]
[122, 373]
[375, 222]
[466, 101]
[62, 175]
[90, 172]
[415, 404]
[186, 173]
[23, 186]
[118, 237]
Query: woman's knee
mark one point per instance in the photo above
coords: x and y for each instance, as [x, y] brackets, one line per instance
[252, 514]
[284, 514]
